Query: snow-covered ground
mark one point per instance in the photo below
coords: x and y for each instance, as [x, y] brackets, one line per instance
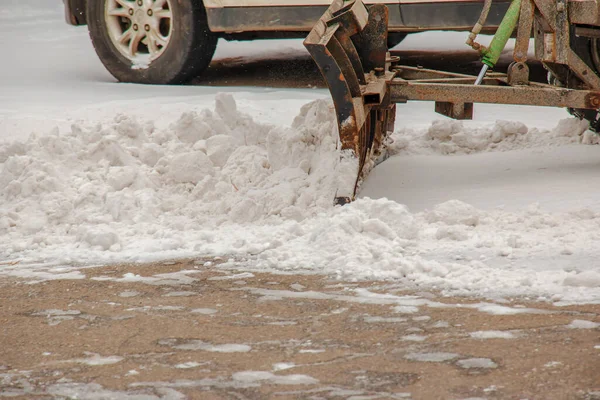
[92, 172]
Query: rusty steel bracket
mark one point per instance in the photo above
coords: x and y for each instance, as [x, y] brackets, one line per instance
[349, 45]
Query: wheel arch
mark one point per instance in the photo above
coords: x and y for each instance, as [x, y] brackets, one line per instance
[75, 13]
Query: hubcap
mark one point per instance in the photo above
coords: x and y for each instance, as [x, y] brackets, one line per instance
[139, 29]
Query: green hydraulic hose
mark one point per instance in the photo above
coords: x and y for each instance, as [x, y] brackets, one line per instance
[504, 32]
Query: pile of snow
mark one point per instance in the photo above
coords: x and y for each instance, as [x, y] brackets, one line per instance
[104, 187]
[457, 137]
[219, 183]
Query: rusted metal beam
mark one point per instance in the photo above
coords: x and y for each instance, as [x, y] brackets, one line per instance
[582, 70]
[587, 32]
[454, 110]
[407, 72]
[465, 81]
[524, 31]
[584, 12]
[402, 91]
[372, 41]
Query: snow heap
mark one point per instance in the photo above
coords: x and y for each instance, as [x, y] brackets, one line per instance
[103, 187]
[457, 137]
[219, 183]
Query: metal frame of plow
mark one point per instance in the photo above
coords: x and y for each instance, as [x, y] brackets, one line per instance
[347, 40]
[349, 45]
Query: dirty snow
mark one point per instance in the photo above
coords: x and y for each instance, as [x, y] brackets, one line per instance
[431, 357]
[269, 377]
[583, 324]
[188, 365]
[93, 391]
[204, 311]
[194, 344]
[413, 338]
[492, 335]
[93, 172]
[93, 360]
[282, 366]
[476, 363]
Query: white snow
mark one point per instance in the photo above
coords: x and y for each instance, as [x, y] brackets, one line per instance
[406, 309]
[497, 309]
[94, 172]
[583, 324]
[188, 365]
[56, 317]
[553, 364]
[172, 278]
[377, 319]
[422, 318]
[260, 376]
[157, 308]
[431, 357]
[413, 338]
[204, 346]
[232, 277]
[54, 312]
[476, 363]
[441, 324]
[183, 293]
[94, 391]
[492, 335]
[129, 293]
[283, 366]
[205, 311]
[93, 359]
[96, 359]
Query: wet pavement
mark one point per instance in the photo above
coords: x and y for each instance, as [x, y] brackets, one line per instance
[192, 330]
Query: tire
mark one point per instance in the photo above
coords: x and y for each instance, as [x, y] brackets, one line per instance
[395, 38]
[171, 45]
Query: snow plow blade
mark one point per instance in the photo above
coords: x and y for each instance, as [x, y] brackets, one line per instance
[349, 45]
[346, 41]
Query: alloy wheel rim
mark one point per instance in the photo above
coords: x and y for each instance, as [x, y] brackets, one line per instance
[139, 29]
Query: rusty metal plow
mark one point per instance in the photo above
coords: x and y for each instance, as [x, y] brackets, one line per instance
[347, 41]
[349, 45]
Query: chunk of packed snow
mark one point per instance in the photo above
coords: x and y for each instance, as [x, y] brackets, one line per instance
[492, 335]
[431, 357]
[456, 137]
[583, 324]
[269, 377]
[476, 363]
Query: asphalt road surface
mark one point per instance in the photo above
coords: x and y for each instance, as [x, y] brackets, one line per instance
[188, 330]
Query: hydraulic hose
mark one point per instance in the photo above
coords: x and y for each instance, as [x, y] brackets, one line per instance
[505, 30]
[503, 33]
[487, 5]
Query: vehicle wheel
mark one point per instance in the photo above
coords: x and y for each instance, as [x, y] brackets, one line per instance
[151, 41]
[395, 38]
